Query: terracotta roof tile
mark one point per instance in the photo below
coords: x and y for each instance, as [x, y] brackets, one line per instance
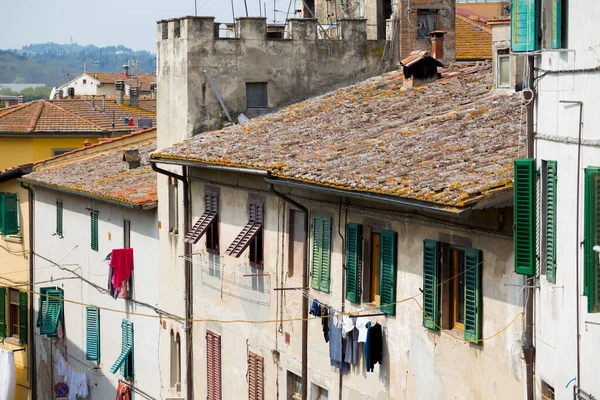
[473, 38]
[451, 142]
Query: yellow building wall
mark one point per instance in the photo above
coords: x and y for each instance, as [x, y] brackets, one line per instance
[14, 270]
[18, 151]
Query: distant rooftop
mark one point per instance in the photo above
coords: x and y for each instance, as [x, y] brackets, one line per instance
[17, 87]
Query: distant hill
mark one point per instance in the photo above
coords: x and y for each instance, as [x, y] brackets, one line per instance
[54, 64]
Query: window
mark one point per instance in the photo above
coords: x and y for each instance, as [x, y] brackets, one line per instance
[175, 361]
[51, 311]
[250, 236]
[256, 370]
[525, 215]
[309, 8]
[297, 236]
[547, 391]
[503, 69]
[592, 238]
[165, 30]
[58, 152]
[256, 95]
[126, 234]
[549, 181]
[9, 214]
[124, 362]
[92, 328]
[13, 316]
[173, 206]
[294, 384]
[94, 230]
[16, 323]
[321, 252]
[59, 218]
[84, 81]
[426, 22]
[177, 28]
[213, 365]
[452, 288]
[207, 223]
[318, 393]
[524, 25]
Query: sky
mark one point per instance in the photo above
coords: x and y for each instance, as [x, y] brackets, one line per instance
[131, 23]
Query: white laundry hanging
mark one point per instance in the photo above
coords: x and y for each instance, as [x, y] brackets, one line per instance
[8, 375]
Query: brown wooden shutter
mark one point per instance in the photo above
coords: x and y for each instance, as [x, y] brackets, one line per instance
[211, 208]
[213, 365]
[252, 228]
[255, 377]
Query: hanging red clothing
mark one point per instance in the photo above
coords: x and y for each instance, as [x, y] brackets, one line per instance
[121, 261]
[123, 392]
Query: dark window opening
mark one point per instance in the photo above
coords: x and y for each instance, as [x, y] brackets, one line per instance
[547, 390]
[297, 236]
[126, 234]
[309, 8]
[256, 251]
[176, 28]
[84, 81]
[457, 288]
[426, 22]
[165, 30]
[256, 95]
[15, 317]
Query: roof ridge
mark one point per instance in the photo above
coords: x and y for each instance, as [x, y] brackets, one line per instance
[75, 115]
[33, 123]
[477, 24]
[17, 107]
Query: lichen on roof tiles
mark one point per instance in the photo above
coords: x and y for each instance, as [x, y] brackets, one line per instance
[449, 142]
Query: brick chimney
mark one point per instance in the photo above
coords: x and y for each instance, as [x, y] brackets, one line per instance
[119, 91]
[134, 96]
[21, 99]
[437, 44]
[125, 71]
[71, 92]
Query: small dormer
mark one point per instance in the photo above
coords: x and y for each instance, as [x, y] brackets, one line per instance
[420, 68]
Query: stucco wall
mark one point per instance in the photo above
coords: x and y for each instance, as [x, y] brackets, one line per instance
[293, 69]
[417, 364]
[557, 129]
[73, 252]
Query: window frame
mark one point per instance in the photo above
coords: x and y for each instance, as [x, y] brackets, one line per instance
[457, 269]
[14, 305]
[173, 194]
[264, 95]
[59, 218]
[296, 221]
[502, 56]
[9, 214]
[424, 12]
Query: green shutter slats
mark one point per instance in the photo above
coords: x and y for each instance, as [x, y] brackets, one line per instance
[59, 218]
[556, 24]
[2, 312]
[52, 315]
[94, 230]
[473, 260]
[353, 261]
[326, 255]
[551, 221]
[431, 277]
[126, 350]
[129, 371]
[11, 214]
[1, 212]
[387, 272]
[525, 216]
[23, 312]
[92, 342]
[524, 25]
[317, 228]
[592, 238]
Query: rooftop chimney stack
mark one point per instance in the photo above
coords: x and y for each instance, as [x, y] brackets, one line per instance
[71, 92]
[59, 94]
[120, 91]
[126, 71]
[437, 44]
[134, 96]
[21, 99]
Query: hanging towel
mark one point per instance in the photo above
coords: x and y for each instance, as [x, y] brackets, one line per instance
[59, 361]
[121, 262]
[123, 392]
[77, 382]
[335, 342]
[361, 325]
[8, 375]
[374, 344]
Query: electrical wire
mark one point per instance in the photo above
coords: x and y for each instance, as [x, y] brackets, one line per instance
[537, 385]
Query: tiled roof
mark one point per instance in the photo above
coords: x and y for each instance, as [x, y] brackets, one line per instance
[141, 80]
[103, 173]
[451, 142]
[473, 37]
[72, 115]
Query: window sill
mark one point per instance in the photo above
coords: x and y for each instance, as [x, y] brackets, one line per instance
[13, 340]
[13, 239]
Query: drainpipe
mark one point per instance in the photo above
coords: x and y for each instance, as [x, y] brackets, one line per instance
[189, 311]
[31, 347]
[580, 104]
[528, 293]
[305, 285]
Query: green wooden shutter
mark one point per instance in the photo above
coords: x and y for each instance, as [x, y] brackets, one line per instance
[23, 312]
[59, 218]
[524, 25]
[592, 238]
[126, 349]
[473, 296]
[11, 214]
[317, 228]
[92, 342]
[524, 216]
[326, 255]
[130, 370]
[2, 312]
[1, 212]
[53, 312]
[353, 261]
[387, 272]
[551, 180]
[94, 229]
[556, 24]
[431, 278]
